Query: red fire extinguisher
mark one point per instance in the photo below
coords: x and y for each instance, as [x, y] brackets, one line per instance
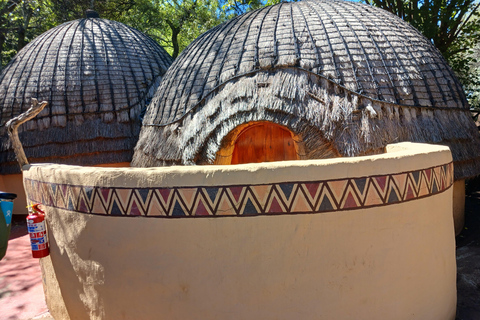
[38, 232]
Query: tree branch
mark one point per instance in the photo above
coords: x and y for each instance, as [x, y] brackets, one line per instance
[466, 20]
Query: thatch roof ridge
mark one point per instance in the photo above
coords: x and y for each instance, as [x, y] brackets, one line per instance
[94, 73]
[356, 46]
[215, 90]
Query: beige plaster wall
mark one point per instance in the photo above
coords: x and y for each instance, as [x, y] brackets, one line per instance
[348, 265]
[459, 206]
[394, 261]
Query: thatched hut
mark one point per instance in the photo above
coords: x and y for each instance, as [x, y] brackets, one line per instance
[336, 78]
[345, 78]
[97, 76]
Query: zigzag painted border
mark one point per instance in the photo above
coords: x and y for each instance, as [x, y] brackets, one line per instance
[245, 200]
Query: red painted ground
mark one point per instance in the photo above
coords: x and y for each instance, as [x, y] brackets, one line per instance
[21, 289]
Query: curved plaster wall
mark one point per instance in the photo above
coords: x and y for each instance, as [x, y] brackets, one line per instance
[350, 238]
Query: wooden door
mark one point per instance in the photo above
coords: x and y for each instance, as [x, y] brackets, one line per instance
[264, 142]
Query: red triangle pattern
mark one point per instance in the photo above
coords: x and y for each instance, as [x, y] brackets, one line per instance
[275, 207]
[201, 209]
[135, 209]
[312, 188]
[83, 206]
[165, 194]
[410, 193]
[350, 201]
[236, 192]
[382, 183]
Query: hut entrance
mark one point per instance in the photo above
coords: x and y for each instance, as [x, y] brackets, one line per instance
[259, 142]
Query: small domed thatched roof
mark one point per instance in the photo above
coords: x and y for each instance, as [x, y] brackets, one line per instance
[97, 76]
[339, 74]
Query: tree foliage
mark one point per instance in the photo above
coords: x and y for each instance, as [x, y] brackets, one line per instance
[179, 22]
[20, 22]
[234, 8]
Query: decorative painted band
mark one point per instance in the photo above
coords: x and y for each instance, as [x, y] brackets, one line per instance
[245, 200]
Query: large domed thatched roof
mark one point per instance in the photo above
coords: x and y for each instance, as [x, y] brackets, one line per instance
[335, 72]
[97, 76]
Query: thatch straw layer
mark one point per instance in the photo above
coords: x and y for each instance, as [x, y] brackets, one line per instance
[346, 77]
[97, 76]
[328, 118]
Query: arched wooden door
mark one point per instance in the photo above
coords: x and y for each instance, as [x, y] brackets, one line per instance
[259, 142]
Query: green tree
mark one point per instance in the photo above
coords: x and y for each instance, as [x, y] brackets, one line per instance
[174, 23]
[20, 22]
[6, 10]
[472, 88]
[67, 10]
[234, 7]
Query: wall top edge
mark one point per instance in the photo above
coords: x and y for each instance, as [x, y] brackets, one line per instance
[401, 157]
